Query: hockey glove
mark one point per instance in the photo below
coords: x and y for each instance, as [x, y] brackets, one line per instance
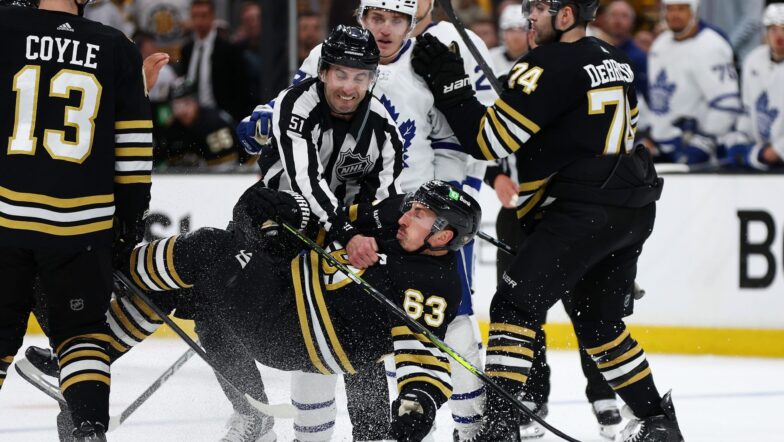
[127, 233]
[258, 205]
[442, 70]
[413, 414]
[255, 130]
[746, 155]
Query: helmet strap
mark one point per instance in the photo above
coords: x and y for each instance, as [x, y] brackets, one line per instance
[80, 7]
[561, 32]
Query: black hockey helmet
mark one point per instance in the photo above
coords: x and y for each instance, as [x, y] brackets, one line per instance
[454, 209]
[350, 46]
[585, 10]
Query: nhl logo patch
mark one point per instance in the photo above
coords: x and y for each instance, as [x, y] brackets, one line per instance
[351, 165]
[77, 304]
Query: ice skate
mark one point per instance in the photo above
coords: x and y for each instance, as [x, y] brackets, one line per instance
[608, 416]
[660, 428]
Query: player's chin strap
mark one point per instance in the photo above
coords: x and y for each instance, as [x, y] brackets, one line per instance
[81, 5]
[438, 225]
[558, 32]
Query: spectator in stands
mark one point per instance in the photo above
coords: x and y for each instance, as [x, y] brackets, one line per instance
[485, 29]
[215, 67]
[167, 20]
[248, 38]
[516, 39]
[199, 136]
[739, 20]
[309, 34]
[759, 142]
[618, 25]
[108, 13]
[693, 87]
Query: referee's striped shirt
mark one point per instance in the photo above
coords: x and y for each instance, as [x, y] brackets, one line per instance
[332, 168]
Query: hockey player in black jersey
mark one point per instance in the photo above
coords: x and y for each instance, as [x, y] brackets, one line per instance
[74, 184]
[587, 202]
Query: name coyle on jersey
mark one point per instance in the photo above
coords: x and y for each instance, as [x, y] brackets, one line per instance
[62, 50]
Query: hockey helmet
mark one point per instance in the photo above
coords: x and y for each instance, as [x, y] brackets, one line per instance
[454, 209]
[406, 7]
[512, 17]
[350, 46]
[694, 4]
[585, 9]
[774, 15]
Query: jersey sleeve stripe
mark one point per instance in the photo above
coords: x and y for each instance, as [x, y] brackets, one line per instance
[532, 186]
[133, 124]
[521, 119]
[132, 166]
[150, 267]
[137, 138]
[510, 142]
[63, 203]
[480, 140]
[160, 263]
[127, 325]
[303, 317]
[56, 230]
[446, 390]
[324, 313]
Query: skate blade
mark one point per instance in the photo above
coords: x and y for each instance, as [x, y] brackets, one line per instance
[31, 374]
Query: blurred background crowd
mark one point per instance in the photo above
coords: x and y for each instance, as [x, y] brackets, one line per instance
[227, 56]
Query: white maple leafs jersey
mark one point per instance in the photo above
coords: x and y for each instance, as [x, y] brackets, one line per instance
[763, 100]
[446, 33]
[694, 78]
[430, 148]
[500, 61]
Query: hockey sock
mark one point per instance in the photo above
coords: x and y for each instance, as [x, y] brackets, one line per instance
[130, 322]
[85, 376]
[511, 345]
[622, 362]
[5, 362]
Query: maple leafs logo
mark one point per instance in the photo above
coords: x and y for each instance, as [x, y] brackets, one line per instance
[407, 128]
[660, 93]
[766, 115]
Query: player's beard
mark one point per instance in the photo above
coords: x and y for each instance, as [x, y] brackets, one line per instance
[544, 33]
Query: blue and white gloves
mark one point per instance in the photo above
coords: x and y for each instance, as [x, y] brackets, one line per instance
[413, 414]
[742, 152]
[255, 131]
[694, 147]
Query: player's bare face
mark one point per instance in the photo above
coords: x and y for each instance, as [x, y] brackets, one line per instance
[677, 17]
[541, 22]
[414, 226]
[388, 28]
[776, 41]
[516, 41]
[345, 87]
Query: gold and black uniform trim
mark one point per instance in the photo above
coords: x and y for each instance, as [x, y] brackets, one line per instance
[622, 361]
[83, 358]
[55, 216]
[132, 152]
[503, 130]
[324, 349]
[418, 360]
[510, 352]
[131, 321]
[153, 267]
[5, 362]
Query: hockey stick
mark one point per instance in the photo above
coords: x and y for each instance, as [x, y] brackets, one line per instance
[498, 243]
[116, 421]
[284, 411]
[397, 311]
[460, 27]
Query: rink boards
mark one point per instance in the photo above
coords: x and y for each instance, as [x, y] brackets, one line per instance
[713, 268]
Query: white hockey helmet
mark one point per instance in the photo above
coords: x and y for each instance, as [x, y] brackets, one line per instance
[773, 15]
[407, 7]
[512, 17]
[693, 3]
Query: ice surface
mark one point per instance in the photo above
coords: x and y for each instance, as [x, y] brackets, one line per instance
[717, 399]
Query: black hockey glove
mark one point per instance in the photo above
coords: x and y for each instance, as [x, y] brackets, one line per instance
[259, 205]
[442, 70]
[413, 414]
[127, 233]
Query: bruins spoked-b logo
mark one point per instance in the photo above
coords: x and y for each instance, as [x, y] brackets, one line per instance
[352, 165]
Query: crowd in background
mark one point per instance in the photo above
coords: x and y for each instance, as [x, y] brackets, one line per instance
[227, 56]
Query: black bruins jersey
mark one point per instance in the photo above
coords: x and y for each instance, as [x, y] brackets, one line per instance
[211, 139]
[569, 112]
[76, 129]
[311, 317]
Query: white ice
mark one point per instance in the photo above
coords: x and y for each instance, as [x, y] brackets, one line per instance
[716, 398]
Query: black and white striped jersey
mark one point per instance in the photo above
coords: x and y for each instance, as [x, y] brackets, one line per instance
[333, 162]
[75, 129]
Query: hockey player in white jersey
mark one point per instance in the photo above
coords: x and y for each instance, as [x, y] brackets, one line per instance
[693, 91]
[758, 142]
[517, 40]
